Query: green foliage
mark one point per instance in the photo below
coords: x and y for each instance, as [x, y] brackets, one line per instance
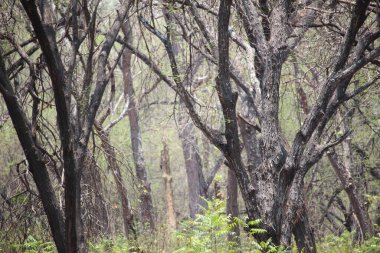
[32, 245]
[211, 230]
[344, 244]
[117, 245]
[269, 247]
[208, 232]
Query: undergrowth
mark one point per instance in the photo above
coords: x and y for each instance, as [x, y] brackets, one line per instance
[208, 233]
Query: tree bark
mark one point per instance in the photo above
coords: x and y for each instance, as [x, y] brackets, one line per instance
[304, 235]
[74, 129]
[342, 170]
[273, 190]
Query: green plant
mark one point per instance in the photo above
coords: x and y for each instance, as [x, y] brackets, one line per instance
[32, 245]
[264, 246]
[117, 245]
[208, 232]
[344, 244]
[211, 231]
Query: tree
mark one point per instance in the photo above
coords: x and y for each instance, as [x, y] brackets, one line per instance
[273, 190]
[147, 214]
[75, 112]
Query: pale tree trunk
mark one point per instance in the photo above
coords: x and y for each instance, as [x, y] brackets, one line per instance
[147, 214]
[171, 221]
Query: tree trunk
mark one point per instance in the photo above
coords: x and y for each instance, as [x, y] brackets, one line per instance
[35, 160]
[304, 236]
[147, 214]
[169, 199]
[342, 168]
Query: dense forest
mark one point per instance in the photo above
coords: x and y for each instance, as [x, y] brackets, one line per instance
[190, 126]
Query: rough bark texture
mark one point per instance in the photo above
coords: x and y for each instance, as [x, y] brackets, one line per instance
[342, 169]
[171, 220]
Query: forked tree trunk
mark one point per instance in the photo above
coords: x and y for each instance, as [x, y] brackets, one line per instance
[342, 169]
[35, 160]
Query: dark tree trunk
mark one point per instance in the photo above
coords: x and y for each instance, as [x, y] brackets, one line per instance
[74, 128]
[36, 161]
[342, 170]
[304, 235]
[272, 190]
